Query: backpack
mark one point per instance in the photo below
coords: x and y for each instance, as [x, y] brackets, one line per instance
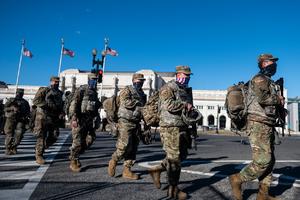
[40, 97]
[236, 104]
[151, 110]
[111, 106]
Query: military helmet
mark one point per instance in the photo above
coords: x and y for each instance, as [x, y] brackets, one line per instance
[54, 78]
[20, 90]
[138, 76]
[263, 57]
[191, 117]
[183, 69]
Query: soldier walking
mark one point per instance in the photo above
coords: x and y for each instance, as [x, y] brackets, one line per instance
[49, 113]
[132, 99]
[17, 112]
[175, 96]
[263, 101]
[85, 119]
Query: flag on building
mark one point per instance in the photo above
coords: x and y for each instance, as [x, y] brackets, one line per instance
[27, 53]
[68, 52]
[111, 52]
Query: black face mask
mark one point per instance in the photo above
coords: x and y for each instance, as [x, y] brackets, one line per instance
[270, 70]
[19, 95]
[138, 85]
[55, 86]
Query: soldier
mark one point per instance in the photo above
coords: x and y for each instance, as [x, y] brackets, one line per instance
[132, 98]
[2, 121]
[17, 111]
[263, 100]
[49, 113]
[85, 120]
[175, 96]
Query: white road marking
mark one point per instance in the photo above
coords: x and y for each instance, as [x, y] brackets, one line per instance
[290, 180]
[33, 177]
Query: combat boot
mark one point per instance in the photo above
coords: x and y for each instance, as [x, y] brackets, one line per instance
[14, 151]
[8, 152]
[155, 174]
[75, 166]
[128, 174]
[39, 159]
[176, 193]
[236, 185]
[263, 193]
[112, 168]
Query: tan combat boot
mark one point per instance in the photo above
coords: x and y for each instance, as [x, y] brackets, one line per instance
[112, 168]
[155, 174]
[14, 150]
[263, 193]
[127, 173]
[176, 193]
[8, 152]
[39, 159]
[75, 166]
[236, 185]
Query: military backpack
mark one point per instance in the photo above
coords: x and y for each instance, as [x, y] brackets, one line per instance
[151, 110]
[111, 106]
[236, 104]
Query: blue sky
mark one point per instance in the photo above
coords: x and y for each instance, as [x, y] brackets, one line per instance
[219, 39]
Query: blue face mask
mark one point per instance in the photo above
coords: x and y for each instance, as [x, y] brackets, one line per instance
[183, 81]
[92, 83]
[138, 85]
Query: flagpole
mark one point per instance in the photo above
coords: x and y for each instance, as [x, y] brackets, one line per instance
[20, 63]
[103, 65]
[61, 54]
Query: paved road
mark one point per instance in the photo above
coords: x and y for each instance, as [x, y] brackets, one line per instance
[204, 174]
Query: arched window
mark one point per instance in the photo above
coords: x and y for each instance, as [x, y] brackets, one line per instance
[211, 120]
[222, 122]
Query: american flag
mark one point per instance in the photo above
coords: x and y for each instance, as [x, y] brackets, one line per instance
[68, 52]
[27, 53]
[111, 52]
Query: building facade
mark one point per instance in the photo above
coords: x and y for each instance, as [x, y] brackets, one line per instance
[208, 102]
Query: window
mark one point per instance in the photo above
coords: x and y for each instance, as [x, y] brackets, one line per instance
[199, 107]
[210, 107]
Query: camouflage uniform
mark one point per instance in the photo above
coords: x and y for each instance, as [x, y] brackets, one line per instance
[17, 111]
[84, 111]
[129, 117]
[2, 117]
[49, 112]
[174, 98]
[263, 100]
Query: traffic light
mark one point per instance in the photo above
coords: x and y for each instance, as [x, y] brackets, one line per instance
[100, 76]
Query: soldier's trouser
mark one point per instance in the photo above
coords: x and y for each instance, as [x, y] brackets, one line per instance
[175, 142]
[127, 143]
[261, 137]
[46, 131]
[83, 136]
[14, 131]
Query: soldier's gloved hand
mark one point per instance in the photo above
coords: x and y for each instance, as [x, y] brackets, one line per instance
[137, 113]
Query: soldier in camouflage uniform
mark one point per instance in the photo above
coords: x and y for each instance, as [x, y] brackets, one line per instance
[263, 101]
[85, 119]
[175, 96]
[132, 99]
[49, 113]
[2, 119]
[17, 111]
